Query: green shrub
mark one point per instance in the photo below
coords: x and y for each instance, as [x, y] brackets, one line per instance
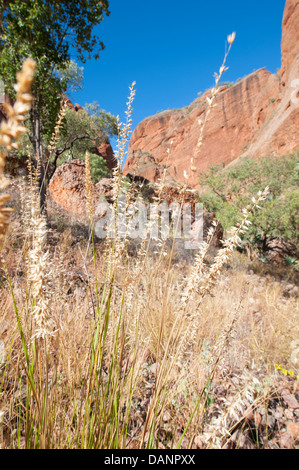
[225, 191]
[98, 168]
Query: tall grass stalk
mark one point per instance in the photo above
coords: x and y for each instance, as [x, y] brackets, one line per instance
[78, 380]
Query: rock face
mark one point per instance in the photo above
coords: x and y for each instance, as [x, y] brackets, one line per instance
[278, 249]
[290, 36]
[67, 188]
[257, 116]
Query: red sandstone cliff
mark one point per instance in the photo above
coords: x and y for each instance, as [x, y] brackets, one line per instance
[257, 116]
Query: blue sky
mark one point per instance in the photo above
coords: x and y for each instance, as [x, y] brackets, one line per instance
[172, 48]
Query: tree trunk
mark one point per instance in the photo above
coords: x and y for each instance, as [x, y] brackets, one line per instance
[39, 154]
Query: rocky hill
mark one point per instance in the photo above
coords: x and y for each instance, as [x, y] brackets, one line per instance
[258, 115]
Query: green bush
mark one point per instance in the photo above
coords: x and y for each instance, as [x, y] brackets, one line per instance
[98, 168]
[225, 191]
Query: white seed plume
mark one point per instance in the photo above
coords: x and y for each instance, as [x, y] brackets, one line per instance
[11, 130]
[231, 38]
[40, 275]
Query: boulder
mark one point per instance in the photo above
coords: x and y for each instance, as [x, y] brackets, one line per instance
[278, 249]
[67, 190]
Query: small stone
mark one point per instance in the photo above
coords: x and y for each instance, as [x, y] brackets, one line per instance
[153, 368]
[286, 440]
[289, 287]
[288, 413]
[199, 442]
[295, 291]
[290, 400]
[249, 415]
[166, 417]
[101, 210]
[185, 443]
[268, 421]
[293, 429]
[257, 418]
[79, 292]
[278, 413]
[261, 410]
[3, 327]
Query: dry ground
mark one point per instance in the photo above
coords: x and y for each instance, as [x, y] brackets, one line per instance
[245, 403]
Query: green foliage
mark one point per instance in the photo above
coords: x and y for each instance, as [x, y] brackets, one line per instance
[227, 190]
[163, 111]
[46, 30]
[49, 28]
[83, 132]
[98, 168]
[227, 83]
[102, 119]
[70, 76]
[279, 217]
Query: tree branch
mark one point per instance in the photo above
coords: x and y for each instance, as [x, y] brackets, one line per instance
[59, 152]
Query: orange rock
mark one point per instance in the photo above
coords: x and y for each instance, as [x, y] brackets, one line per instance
[105, 151]
[293, 429]
[286, 440]
[67, 189]
[257, 418]
[257, 116]
[289, 42]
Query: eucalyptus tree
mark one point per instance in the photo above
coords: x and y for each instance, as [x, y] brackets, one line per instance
[51, 32]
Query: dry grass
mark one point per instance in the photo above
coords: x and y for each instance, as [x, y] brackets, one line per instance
[160, 375]
[100, 350]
